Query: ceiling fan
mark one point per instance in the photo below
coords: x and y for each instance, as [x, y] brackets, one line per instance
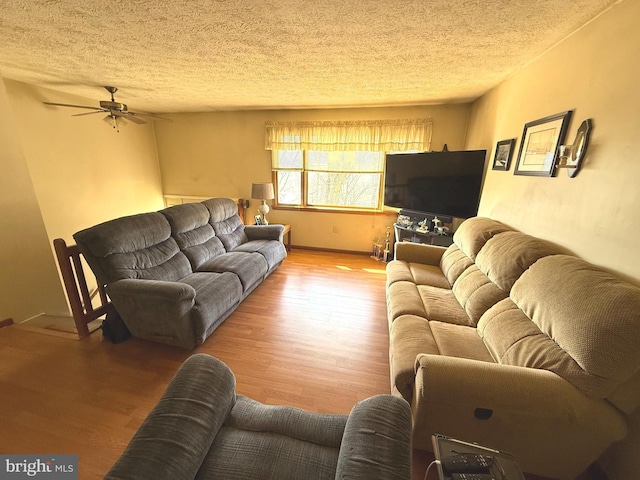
[116, 112]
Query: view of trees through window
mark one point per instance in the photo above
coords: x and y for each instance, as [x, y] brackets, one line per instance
[314, 178]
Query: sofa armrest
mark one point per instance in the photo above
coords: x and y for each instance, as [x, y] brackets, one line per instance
[176, 436]
[264, 232]
[418, 253]
[157, 310]
[377, 440]
[550, 426]
[153, 290]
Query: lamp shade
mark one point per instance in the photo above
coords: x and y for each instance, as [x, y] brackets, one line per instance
[262, 191]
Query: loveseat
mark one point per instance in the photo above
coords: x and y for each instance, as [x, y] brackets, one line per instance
[508, 341]
[175, 275]
[202, 429]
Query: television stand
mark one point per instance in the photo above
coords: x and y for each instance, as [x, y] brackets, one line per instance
[406, 228]
[404, 234]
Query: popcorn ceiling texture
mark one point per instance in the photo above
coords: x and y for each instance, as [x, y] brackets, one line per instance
[204, 55]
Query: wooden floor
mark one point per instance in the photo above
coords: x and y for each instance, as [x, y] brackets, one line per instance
[313, 335]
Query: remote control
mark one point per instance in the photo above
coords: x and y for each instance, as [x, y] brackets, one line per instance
[472, 476]
[468, 462]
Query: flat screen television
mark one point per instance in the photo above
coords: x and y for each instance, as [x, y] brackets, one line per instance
[441, 183]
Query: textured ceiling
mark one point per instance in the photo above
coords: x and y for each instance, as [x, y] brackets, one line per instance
[207, 55]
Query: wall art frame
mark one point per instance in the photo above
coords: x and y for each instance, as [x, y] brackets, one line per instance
[541, 138]
[504, 152]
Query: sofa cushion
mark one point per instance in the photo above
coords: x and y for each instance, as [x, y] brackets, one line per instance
[418, 273]
[476, 293]
[583, 325]
[273, 251]
[459, 341]
[454, 261]
[193, 233]
[507, 255]
[474, 232]
[403, 298]
[216, 295]
[250, 268]
[263, 441]
[441, 305]
[500, 262]
[225, 222]
[137, 246]
[398, 271]
[411, 335]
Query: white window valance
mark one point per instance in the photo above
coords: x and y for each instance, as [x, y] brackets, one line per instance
[371, 136]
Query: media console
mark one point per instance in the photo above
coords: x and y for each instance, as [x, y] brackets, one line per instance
[408, 229]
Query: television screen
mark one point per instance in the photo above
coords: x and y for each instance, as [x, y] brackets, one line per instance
[442, 183]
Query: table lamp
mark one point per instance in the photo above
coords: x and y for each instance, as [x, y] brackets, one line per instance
[263, 191]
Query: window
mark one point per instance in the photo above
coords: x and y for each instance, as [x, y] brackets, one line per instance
[338, 165]
[314, 178]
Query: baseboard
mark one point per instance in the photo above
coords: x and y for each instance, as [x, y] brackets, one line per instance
[332, 250]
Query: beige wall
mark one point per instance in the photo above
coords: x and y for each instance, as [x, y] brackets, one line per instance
[221, 154]
[29, 280]
[83, 171]
[594, 73]
[80, 172]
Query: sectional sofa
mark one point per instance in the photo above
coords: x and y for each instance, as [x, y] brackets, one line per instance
[175, 275]
[506, 340]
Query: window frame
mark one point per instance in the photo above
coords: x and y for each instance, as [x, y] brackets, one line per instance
[304, 186]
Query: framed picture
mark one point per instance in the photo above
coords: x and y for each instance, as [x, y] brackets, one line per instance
[504, 152]
[539, 147]
[258, 219]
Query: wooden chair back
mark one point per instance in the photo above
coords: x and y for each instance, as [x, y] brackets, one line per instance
[75, 284]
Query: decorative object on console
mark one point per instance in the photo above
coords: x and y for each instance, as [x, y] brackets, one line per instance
[264, 192]
[420, 227]
[504, 152]
[386, 255]
[539, 146]
[571, 156]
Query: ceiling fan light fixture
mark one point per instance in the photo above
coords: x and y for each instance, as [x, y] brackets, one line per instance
[115, 121]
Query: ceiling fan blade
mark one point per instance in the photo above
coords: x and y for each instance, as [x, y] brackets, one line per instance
[88, 113]
[149, 115]
[74, 106]
[134, 119]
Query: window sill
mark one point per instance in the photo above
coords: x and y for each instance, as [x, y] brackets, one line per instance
[334, 210]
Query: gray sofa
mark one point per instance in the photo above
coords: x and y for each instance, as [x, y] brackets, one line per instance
[201, 429]
[506, 340]
[175, 275]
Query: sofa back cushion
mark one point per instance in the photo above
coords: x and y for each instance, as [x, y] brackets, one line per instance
[474, 232]
[508, 254]
[468, 240]
[569, 317]
[476, 293]
[499, 263]
[226, 222]
[137, 246]
[193, 233]
[453, 262]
